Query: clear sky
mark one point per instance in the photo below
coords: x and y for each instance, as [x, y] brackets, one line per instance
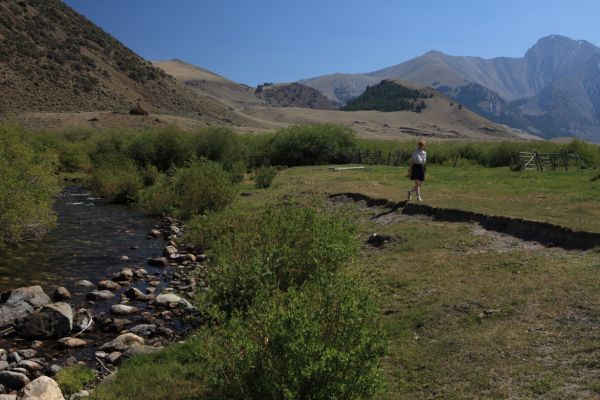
[255, 41]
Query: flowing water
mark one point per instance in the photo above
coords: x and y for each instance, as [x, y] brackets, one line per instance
[89, 237]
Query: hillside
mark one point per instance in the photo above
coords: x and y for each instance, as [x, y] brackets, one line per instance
[52, 59]
[551, 90]
[442, 118]
[293, 95]
[388, 96]
[240, 96]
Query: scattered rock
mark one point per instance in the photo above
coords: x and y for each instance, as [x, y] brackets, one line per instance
[158, 262]
[140, 273]
[3, 365]
[53, 320]
[42, 388]
[170, 300]
[14, 357]
[61, 294]
[136, 294]
[122, 342]
[169, 251]
[72, 343]
[108, 285]
[100, 354]
[37, 344]
[80, 395]
[114, 356]
[140, 349]
[13, 380]
[69, 362]
[84, 284]
[125, 275]
[27, 353]
[144, 330]
[18, 303]
[83, 320]
[30, 366]
[53, 369]
[100, 295]
[11, 396]
[123, 258]
[156, 233]
[174, 230]
[3, 355]
[122, 309]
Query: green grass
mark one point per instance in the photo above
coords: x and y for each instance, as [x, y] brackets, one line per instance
[74, 379]
[564, 198]
[467, 316]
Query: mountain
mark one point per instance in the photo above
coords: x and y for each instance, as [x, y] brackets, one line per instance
[240, 96]
[551, 91]
[54, 60]
[283, 104]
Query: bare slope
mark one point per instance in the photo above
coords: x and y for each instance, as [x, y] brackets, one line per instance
[52, 59]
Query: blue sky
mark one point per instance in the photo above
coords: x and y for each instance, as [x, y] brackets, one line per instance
[286, 40]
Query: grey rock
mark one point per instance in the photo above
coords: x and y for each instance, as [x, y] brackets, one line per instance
[122, 342]
[69, 362]
[170, 300]
[82, 320]
[13, 380]
[84, 284]
[3, 365]
[169, 251]
[108, 285]
[3, 355]
[100, 354]
[139, 349]
[136, 294]
[30, 366]
[144, 330]
[42, 388]
[19, 370]
[158, 262]
[14, 357]
[80, 395]
[122, 309]
[125, 275]
[27, 353]
[100, 295]
[140, 273]
[21, 302]
[53, 320]
[3, 390]
[61, 294]
[114, 356]
[53, 369]
[71, 342]
[156, 233]
[7, 396]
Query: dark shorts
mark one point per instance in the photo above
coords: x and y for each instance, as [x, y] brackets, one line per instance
[417, 173]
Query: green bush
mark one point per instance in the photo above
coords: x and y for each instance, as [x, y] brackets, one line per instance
[158, 199]
[237, 170]
[73, 379]
[278, 248]
[322, 342]
[28, 185]
[264, 177]
[201, 187]
[313, 145]
[116, 179]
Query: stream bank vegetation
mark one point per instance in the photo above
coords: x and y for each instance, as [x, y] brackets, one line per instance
[298, 308]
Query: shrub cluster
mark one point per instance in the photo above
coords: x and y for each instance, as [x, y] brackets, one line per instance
[28, 185]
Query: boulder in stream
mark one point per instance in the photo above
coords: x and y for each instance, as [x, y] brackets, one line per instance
[108, 285]
[18, 303]
[53, 320]
[42, 388]
[122, 342]
[100, 295]
[123, 309]
[61, 294]
[13, 380]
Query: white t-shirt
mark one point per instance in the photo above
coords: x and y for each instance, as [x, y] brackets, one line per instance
[419, 156]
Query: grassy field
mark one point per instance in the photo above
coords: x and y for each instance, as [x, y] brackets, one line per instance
[564, 198]
[474, 314]
[469, 314]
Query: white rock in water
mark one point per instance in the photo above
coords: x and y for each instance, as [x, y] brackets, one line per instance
[42, 388]
[122, 342]
[122, 309]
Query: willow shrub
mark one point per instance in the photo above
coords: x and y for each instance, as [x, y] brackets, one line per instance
[28, 184]
[116, 178]
[322, 342]
[276, 248]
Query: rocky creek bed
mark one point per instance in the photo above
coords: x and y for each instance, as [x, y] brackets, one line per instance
[125, 290]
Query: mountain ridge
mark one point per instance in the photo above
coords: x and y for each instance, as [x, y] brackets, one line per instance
[510, 82]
